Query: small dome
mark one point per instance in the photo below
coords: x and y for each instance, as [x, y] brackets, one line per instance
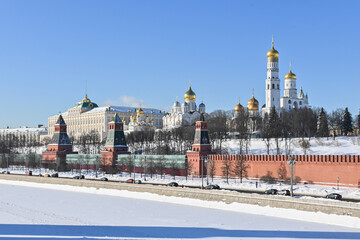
[190, 95]
[177, 104]
[290, 75]
[253, 104]
[86, 99]
[185, 104]
[201, 105]
[140, 111]
[239, 108]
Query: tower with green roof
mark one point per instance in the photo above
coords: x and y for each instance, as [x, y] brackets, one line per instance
[197, 156]
[115, 142]
[59, 145]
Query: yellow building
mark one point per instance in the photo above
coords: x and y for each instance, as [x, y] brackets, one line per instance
[87, 116]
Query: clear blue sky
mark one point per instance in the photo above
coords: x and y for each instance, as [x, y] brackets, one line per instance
[150, 50]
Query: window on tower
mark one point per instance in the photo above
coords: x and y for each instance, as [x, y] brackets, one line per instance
[278, 86]
[273, 86]
[268, 86]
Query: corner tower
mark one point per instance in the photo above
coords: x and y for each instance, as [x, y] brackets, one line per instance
[115, 142]
[272, 81]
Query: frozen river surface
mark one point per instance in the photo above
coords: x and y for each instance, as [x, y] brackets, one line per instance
[36, 213]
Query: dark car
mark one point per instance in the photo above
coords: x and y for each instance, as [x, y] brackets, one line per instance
[173, 184]
[334, 196]
[5, 172]
[104, 179]
[29, 173]
[130, 180]
[212, 186]
[138, 181]
[284, 192]
[79, 177]
[271, 191]
[55, 175]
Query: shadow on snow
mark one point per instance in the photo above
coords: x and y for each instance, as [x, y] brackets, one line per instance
[23, 231]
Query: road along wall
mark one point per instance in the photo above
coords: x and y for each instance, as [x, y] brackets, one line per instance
[312, 205]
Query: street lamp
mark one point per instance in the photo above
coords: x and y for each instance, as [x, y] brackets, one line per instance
[338, 180]
[202, 159]
[145, 168]
[291, 162]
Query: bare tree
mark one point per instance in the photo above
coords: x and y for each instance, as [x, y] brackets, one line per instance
[211, 169]
[174, 166]
[187, 167]
[160, 166]
[240, 168]
[226, 169]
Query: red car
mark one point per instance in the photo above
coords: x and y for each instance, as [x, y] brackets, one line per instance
[130, 180]
[29, 173]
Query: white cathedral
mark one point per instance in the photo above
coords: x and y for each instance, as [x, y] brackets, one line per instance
[291, 99]
[186, 114]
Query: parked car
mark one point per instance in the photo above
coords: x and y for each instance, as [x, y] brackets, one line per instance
[55, 175]
[138, 182]
[104, 179]
[212, 186]
[173, 184]
[334, 196]
[40, 175]
[29, 173]
[47, 175]
[271, 191]
[5, 172]
[284, 192]
[130, 180]
[79, 177]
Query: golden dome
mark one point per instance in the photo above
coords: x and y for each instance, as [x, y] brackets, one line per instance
[190, 95]
[124, 121]
[253, 104]
[290, 75]
[239, 108]
[272, 53]
[86, 99]
[140, 111]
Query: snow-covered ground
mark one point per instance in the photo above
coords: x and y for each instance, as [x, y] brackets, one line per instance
[318, 146]
[44, 211]
[248, 184]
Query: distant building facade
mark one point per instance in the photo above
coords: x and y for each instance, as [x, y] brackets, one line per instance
[87, 116]
[26, 134]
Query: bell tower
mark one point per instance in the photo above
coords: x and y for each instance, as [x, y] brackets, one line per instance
[272, 81]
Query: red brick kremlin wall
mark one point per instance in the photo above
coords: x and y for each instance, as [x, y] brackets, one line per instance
[315, 168]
